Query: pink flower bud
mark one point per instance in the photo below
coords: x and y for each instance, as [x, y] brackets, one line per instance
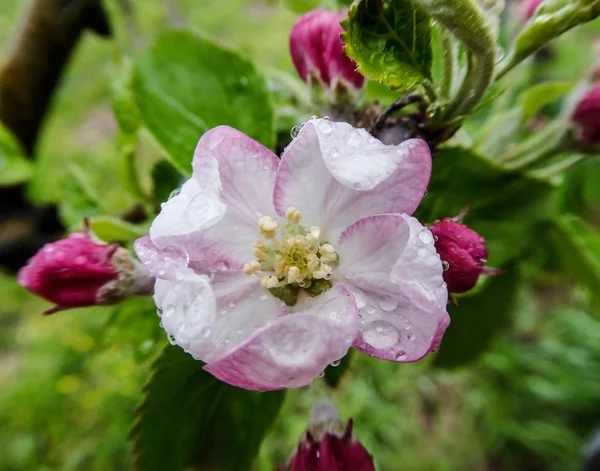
[79, 271]
[528, 8]
[462, 251]
[329, 445]
[587, 115]
[318, 51]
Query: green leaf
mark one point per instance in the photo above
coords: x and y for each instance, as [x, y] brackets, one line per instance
[15, 168]
[186, 84]
[551, 19]
[112, 229]
[504, 207]
[188, 418]
[166, 179]
[578, 246]
[540, 95]
[477, 319]
[390, 41]
[123, 101]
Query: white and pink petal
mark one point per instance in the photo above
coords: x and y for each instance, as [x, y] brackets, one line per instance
[336, 174]
[294, 349]
[396, 275]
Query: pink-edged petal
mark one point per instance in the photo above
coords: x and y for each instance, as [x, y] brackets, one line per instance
[336, 174]
[208, 318]
[246, 170]
[166, 264]
[213, 219]
[294, 349]
[391, 263]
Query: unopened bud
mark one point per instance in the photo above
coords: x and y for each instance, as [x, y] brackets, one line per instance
[79, 271]
[318, 51]
[462, 251]
[329, 445]
[586, 116]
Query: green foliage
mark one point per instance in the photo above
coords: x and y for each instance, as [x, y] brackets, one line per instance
[166, 178]
[503, 206]
[390, 41]
[14, 166]
[186, 84]
[551, 19]
[112, 229]
[188, 417]
[478, 318]
[578, 246]
[538, 96]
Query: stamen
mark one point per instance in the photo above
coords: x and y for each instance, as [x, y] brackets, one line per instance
[267, 227]
[252, 267]
[293, 215]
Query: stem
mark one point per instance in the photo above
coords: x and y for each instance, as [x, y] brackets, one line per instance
[464, 90]
[448, 58]
[400, 103]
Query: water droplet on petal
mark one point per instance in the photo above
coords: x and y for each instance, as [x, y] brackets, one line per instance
[446, 265]
[425, 236]
[411, 336]
[354, 138]
[400, 155]
[336, 363]
[168, 311]
[172, 340]
[263, 296]
[357, 185]
[401, 355]
[381, 334]
[326, 126]
[321, 374]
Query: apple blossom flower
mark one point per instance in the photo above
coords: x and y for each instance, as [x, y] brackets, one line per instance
[586, 116]
[318, 51]
[463, 253]
[268, 270]
[329, 445]
[82, 271]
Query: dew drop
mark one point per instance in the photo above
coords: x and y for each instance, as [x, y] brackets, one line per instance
[435, 349]
[231, 303]
[207, 333]
[321, 374]
[335, 363]
[295, 131]
[381, 334]
[335, 153]
[357, 186]
[172, 340]
[168, 311]
[326, 126]
[401, 355]
[425, 236]
[263, 297]
[446, 265]
[159, 312]
[411, 336]
[370, 309]
[173, 194]
[400, 155]
[354, 138]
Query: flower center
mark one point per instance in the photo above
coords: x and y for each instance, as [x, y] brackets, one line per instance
[291, 257]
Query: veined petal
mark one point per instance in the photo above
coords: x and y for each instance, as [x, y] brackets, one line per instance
[391, 263]
[336, 174]
[210, 318]
[213, 220]
[294, 349]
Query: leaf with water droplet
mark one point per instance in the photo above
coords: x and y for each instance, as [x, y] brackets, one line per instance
[390, 41]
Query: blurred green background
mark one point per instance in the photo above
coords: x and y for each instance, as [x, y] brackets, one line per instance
[69, 383]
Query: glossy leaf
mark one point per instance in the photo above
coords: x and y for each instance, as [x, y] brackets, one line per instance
[478, 318]
[390, 41]
[540, 95]
[504, 207]
[578, 246]
[551, 19]
[166, 179]
[186, 84]
[189, 419]
[112, 229]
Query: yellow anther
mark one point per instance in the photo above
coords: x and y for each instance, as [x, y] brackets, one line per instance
[315, 231]
[324, 272]
[293, 215]
[293, 274]
[267, 226]
[327, 253]
[259, 250]
[251, 268]
[272, 282]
